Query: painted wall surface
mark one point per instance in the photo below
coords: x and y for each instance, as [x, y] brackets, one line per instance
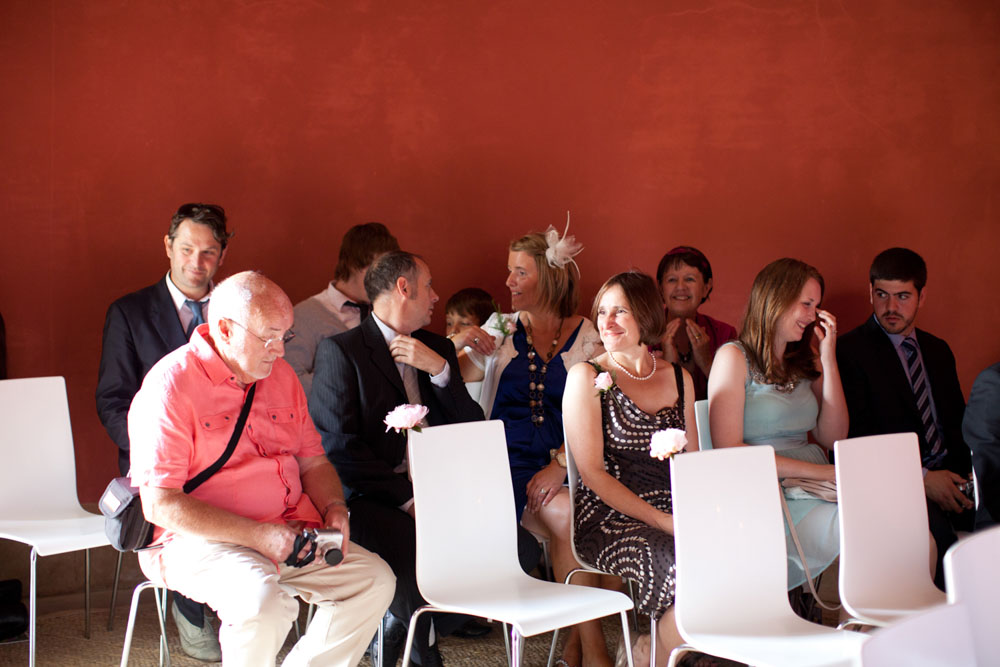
[826, 130]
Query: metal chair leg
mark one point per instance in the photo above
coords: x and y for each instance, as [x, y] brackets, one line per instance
[516, 648]
[86, 594]
[160, 594]
[32, 611]
[631, 594]
[408, 648]
[380, 644]
[652, 641]
[114, 592]
[628, 640]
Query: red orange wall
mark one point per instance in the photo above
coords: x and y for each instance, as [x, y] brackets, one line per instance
[825, 130]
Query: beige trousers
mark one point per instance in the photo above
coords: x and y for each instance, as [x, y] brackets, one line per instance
[256, 604]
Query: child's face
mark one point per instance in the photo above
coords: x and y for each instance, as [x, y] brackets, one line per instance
[455, 322]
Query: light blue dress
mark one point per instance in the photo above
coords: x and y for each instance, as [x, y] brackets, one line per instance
[783, 420]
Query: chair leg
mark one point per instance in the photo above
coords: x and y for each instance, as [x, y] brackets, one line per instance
[506, 642]
[635, 612]
[380, 644]
[652, 641]
[516, 647]
[114, 592]
[86, 593]
[550, 574]
[552, 648]
[160, 595]
[676, 654]
[408, 649]
[627, 638]
[32, 611]
[161, 610]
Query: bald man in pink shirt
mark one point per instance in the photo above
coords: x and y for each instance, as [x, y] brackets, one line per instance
[225, 543]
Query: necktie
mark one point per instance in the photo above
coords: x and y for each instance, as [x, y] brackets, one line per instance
[412, 386]
[364, 308]
[922, 394]
[198, 315]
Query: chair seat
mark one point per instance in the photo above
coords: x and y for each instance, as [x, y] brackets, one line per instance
[56, 536]
[530, 605]
[884, 614]
[805, 645]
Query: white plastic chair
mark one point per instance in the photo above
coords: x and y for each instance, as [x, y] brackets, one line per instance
[467, 542]
[884, 540]
[573, 477]
[936, 637]
[160, 593]
[38, 501]
[972, 577]
[731, 598]
[701, 421]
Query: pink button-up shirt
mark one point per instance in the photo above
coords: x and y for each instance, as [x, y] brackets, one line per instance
[183, 417]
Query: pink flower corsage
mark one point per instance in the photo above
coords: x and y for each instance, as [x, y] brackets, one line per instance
[405, 416]
[603, 381]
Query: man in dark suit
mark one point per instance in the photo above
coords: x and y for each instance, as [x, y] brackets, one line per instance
[360, 376]
[981, 428]
[141, 328]
[898, 378]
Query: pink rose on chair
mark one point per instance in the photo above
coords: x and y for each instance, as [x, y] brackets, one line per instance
[603, 381]
[664, 444]
[405, 416]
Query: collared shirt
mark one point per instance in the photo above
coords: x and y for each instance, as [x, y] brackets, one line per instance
[320, 316]
[181, 421]
[183, 310]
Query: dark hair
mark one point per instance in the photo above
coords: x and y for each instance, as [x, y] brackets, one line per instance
[685, 254]
[774, 290]
[387, 269]
[360, 246]
[471, 302]
[211, 215]
[644, 299]
[559, 287]
[899, 264]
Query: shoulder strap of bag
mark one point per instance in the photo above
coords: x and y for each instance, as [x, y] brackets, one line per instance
[201, 477]
[802, 555]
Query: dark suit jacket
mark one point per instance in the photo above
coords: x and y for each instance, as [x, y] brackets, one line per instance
[981, 428]
[139, 329]
[355, 385]
[879, 397]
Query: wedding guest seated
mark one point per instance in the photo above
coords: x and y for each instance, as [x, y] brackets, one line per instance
[523, 383]
[691, 338]
[464, 315]
[613, 406]
[228, 543]
[771, 388]
[342, 304]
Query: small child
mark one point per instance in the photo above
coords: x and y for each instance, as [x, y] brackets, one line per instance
[469, 307]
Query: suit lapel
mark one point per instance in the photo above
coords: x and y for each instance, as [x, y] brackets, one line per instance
[163, 314]
[896, 376]
[379, 353]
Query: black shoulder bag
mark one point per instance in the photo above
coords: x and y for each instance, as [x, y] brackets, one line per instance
[124, 523]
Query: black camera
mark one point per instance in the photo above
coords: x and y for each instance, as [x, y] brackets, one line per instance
[321, 538]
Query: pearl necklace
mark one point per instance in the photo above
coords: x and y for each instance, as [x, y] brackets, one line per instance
[625, 371]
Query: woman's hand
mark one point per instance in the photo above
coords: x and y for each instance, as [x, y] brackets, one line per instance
[544, 486]
[667, 342]
[701, 346]
[826, 333]
[474, 337]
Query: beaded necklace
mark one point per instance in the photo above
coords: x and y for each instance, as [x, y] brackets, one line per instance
[536, 375]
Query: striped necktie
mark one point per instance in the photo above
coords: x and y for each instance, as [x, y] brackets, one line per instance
[199, 316]
[922, 393]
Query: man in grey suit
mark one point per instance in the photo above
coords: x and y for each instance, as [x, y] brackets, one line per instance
[140, 329]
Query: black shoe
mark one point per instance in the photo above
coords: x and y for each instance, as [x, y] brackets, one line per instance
[431, 658]
[393, 639]
[473, 629]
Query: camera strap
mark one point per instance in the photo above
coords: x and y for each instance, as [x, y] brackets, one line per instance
[201, 477]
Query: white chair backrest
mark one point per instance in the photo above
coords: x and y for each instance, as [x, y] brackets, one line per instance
[38, 469]
[701, 421]
[883, 516]
[729, 536]
[972, 577]
[937, 637]
[573, 477]
[464, 503]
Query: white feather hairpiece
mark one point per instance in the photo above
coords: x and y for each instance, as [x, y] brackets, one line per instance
[561, 251]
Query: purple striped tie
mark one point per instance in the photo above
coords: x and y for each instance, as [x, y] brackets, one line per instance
[922, 394]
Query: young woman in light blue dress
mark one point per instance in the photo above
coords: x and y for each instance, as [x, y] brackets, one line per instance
[776, 385]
